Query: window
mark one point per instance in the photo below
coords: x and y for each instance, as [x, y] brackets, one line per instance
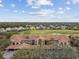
[13, 43]
[17, 43]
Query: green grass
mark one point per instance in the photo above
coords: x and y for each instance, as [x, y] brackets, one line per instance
[50, 32]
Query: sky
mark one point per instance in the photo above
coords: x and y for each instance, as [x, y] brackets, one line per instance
[39, 10]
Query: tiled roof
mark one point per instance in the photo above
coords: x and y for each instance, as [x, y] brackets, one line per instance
[18, 38]
[62, 38]
[21, 46]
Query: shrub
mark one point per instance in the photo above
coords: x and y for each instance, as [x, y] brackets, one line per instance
[44, 53]
[4, 43]
[1, 56]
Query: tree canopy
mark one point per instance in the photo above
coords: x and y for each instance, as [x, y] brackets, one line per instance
[4, 43]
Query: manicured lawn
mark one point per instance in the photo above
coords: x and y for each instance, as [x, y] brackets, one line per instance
[51, 32]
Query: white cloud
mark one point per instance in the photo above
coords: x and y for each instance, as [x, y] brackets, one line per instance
[49, 13]
[75, 1]
[23, 11]
[1, 5]
[38, 3]
[68, 2]
[44, 2]
[0, 1]
[68, 8]
[15, 11]
[60, 12]
[35, 7]
[44, 12]
[13, 5]
[30, 2]
[60, 8]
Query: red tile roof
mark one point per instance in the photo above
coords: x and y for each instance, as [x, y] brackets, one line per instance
[21, 46]
[18, 38]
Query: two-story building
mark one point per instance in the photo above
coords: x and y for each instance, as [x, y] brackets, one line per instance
[29, 41]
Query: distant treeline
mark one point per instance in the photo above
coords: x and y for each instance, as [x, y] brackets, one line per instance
[69, 25]
[13, 24]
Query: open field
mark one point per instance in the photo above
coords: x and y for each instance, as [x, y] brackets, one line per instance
[71, 32]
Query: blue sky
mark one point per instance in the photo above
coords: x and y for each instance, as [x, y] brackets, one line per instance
[39, 10]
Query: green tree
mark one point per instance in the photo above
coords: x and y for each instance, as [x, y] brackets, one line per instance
[4, 43]
[74, 41]
[46, 53]
[1, 56]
